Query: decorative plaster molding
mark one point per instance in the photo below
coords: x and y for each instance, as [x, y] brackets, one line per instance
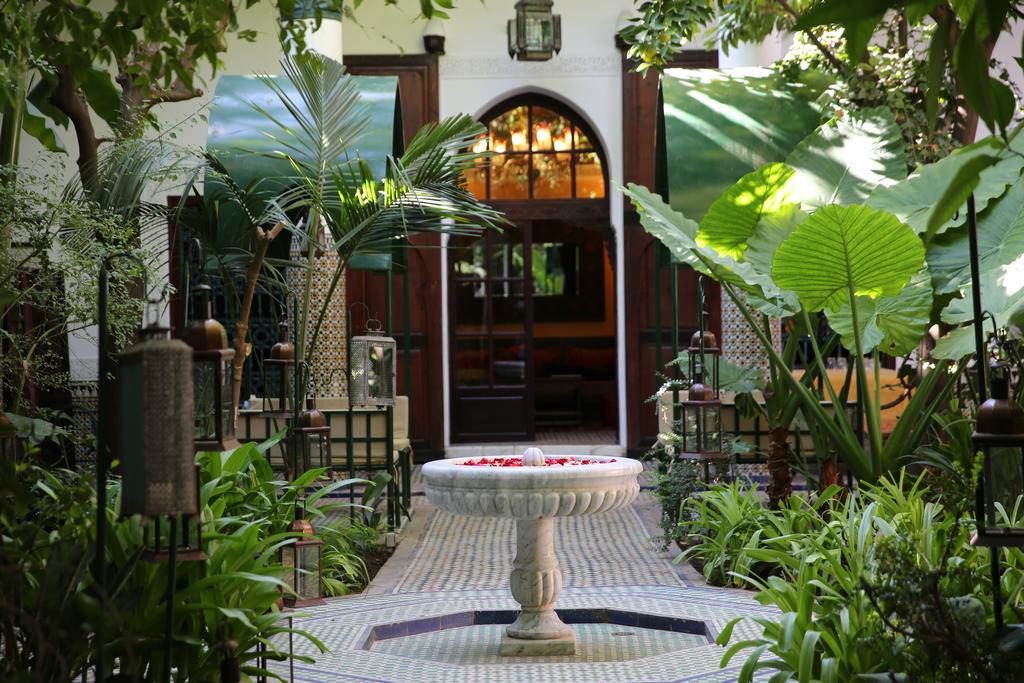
[503, 67]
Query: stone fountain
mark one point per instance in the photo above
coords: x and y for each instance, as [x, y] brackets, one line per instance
[533, 494]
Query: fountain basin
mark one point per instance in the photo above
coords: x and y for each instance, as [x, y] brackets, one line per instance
[533, 495]
[527, 492]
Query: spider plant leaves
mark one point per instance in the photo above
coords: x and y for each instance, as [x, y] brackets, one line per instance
[847, 158]
[847, 251]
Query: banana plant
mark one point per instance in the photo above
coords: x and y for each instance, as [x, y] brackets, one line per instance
[782, 242]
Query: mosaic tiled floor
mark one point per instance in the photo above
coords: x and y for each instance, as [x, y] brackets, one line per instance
[461, 553]
[447, 566]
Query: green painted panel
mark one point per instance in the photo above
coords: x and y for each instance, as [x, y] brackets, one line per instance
[241, 136]
[723, 123]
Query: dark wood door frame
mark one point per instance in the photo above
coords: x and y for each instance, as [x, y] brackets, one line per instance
[639, 122]
[418, 88]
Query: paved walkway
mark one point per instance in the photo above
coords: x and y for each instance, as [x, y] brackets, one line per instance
[436, 610]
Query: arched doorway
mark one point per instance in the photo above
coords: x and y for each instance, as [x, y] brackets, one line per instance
[532, 310]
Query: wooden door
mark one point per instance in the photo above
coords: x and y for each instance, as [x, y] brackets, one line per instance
[491, 319]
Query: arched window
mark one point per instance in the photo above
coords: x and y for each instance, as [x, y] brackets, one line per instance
[539, 152]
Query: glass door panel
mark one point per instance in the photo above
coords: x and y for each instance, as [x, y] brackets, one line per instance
[492, 350]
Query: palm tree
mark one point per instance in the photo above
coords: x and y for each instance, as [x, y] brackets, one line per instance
[421, 191]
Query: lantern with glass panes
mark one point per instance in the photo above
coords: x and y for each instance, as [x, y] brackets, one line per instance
[281, 365]
[999, 435]
[160, 479]
[312, 442]
[535, 34]
[212, 371]
[700, 423]
[302, 558]
[372, 367]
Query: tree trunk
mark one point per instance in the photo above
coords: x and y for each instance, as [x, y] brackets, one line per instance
[252, 276]
[829, 474]
[780, 479]
[67, 98]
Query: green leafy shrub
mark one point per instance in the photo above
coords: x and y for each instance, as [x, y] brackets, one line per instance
[225, 606]
[877, 583]
[242, 486]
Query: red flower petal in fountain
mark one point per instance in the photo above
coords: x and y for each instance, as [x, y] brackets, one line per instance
[562, 461]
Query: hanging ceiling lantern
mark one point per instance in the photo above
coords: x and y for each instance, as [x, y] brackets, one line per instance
[312, 443]
[535, 34]
[154, 383]
[372, 359]
[999, 435]
[212, 372]
[704, 354]
[700, 429]
[281, 366]
[302, 558]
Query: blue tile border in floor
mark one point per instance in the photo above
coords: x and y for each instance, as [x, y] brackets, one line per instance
[344, 624]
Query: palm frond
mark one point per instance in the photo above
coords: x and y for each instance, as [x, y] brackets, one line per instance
[328, 116]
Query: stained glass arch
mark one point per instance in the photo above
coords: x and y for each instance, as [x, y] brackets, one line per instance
[541, 149]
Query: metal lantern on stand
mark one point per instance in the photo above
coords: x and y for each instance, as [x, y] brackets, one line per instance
[312, 441]
[999, 435]
[372, 363]
[303, 559]
[535, 34]
[700, 413]
[154, 384]
[281, 364]
[212, 372]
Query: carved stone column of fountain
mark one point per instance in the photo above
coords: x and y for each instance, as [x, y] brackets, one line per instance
[533, 494]
[536, 582]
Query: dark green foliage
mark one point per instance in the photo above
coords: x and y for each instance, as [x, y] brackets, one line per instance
[676, 482]
[881, 584]
[50, 609]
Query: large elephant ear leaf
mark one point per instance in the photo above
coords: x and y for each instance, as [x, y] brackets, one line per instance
[679, 234]
[845, 159]
[892, 324]
[842, 252]
[1002, 295]
[731, 219]
[920, 201]
[1000, 242]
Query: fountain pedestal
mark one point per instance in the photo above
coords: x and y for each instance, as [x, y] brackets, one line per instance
[536, 582]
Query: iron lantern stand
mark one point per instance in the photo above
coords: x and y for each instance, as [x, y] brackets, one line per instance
[992, 541]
